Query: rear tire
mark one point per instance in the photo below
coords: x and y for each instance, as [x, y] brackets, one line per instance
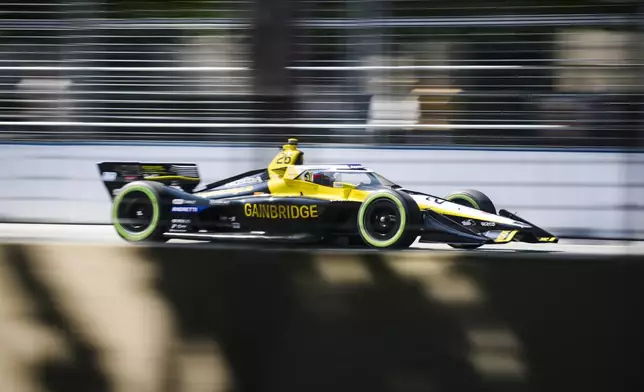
[473, 199]
[137, 213]
[387, 219]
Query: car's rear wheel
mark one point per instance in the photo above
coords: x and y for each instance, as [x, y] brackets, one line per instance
[136, 213]
[473, 199]
[386, 219]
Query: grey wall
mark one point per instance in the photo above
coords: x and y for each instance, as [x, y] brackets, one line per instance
[573, 193]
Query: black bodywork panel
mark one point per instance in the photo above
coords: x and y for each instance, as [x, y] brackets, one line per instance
[440, 228]
[532, 234]
[264, 213]
[260, 174]
[115, 175]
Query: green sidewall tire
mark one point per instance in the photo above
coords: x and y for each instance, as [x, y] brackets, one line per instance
[154, 231]
[404, 237]
[475, 199]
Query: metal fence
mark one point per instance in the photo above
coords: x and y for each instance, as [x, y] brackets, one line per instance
[512, 73]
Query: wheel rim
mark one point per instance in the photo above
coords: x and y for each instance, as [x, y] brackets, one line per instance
[135, 213]
[382, 220]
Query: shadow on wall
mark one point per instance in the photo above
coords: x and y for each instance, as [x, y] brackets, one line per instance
[577, 317]
[80, 369]
[291, 322]
[400, 322]
[285, 327]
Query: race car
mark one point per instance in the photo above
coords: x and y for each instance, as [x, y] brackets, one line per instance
[289, 201]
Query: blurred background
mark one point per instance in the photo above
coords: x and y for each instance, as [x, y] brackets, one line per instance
[536, 103]
[509, 73]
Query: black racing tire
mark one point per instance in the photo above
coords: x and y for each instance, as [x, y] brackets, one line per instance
[137, 214]
[474, 199]
[388, 220]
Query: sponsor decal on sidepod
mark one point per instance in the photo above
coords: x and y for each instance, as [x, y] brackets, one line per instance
[266, 211]
[182, 201]
[187, 209]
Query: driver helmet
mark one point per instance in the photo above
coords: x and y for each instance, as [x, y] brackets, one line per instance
[322, 179]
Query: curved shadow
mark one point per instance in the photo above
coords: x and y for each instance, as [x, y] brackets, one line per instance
[284, 326]
[81, 371]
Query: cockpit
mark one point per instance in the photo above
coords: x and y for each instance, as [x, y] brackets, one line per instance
[338, 178]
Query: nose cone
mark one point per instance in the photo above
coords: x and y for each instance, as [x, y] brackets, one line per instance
[521, 225]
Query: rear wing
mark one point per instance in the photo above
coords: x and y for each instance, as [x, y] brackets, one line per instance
[115, 175]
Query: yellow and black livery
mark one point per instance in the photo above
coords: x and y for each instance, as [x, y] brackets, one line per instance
[291, 201]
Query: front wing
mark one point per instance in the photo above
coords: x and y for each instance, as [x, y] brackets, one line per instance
[534, 234]
[438, 228]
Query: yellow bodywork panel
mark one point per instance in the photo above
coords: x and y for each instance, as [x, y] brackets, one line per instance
[285, 187]
[506, 236]
[283, 181]
[291, 172]
[288, 156]
[465, 213]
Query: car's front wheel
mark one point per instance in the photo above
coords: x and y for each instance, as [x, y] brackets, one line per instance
[473, 199]
[386, 219]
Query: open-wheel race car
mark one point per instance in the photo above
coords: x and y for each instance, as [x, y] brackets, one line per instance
[290, 201]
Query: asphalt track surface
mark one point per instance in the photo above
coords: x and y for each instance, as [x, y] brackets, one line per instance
[13, 232]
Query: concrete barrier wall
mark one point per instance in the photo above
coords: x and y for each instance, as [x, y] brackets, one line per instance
[570, 193]
[178, 318]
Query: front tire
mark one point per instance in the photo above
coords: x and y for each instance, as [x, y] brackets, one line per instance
[386, 219]
[137, 213]
[473, 199]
